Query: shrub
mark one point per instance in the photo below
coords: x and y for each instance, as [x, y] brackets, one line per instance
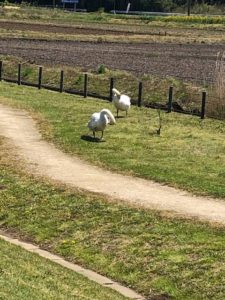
[102, 69]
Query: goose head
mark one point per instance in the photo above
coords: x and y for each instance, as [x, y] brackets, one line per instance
[108, 115]
[115, 92]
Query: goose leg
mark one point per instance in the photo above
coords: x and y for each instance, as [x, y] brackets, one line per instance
[94, 134]
[102, 135]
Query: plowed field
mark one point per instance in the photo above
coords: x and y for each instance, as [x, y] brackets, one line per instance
[186, 61]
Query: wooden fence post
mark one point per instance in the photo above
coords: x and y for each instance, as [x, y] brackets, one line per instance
[1, 70]
[170, 100]
[111, 87]
[203, 105]
[188, 7]
[19, 74]
[39, 77]
[85, 85]
[140, 94]
[61, 81]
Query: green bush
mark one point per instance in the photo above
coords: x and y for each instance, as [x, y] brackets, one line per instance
[102, 69]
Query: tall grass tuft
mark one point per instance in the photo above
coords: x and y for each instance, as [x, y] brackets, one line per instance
[220, 75]
[216, 103]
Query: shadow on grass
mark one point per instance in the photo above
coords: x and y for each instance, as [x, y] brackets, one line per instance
[120, 117]
[91, 139]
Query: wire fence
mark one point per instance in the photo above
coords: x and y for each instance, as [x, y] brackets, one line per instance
[84, 85]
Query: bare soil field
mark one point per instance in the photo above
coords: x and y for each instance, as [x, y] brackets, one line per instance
[194, 61]
[185, 61]
[189, 61]
[90, 28]
[65, 29]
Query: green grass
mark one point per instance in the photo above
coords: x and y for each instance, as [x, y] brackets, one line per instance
[193, 19]
[43, 14]
[27, 276]
[130, 22]
[154, 254]
[189, 153]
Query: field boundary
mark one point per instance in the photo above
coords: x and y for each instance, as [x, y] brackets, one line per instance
[91, 275]
[170, 106]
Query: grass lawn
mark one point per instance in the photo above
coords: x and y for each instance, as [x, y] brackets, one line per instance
[189, 154]
[27, 276]
[154, 254]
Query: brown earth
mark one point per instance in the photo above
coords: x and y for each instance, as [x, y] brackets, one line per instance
[189, 61]
[186, 61]
[65, 29]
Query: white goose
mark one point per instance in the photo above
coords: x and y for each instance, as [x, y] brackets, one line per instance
[100, 120]
[121, 102]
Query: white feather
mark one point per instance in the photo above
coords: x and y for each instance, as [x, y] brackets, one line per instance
[100, 120]
[121, 102]
[115, 91]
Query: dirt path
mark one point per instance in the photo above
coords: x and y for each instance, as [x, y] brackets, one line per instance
[46, 160]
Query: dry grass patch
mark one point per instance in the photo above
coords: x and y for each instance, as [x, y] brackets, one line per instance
[216, 99]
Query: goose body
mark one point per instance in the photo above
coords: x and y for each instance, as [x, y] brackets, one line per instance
[99, 121]
[121, 102]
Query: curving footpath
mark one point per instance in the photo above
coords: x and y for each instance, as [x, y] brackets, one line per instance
[46, 160]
